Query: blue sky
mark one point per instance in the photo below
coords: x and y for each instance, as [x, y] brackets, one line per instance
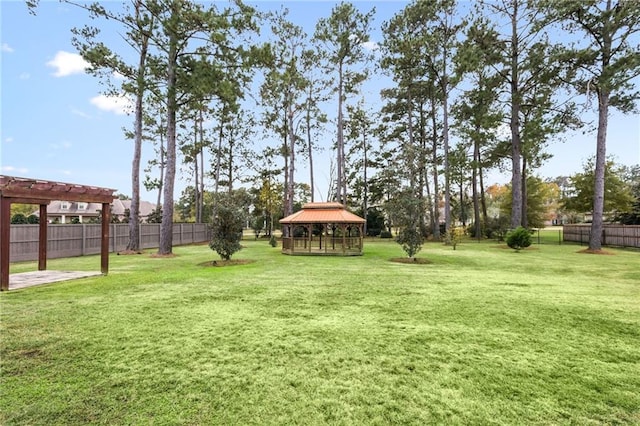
[56, 125]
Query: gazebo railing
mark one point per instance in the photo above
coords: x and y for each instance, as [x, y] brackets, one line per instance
[320, 244]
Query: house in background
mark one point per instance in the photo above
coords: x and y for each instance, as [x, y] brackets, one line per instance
[79, 212]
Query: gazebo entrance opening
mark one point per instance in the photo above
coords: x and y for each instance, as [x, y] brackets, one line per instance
[323, 229]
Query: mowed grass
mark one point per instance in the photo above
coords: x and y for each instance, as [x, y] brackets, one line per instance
[482, 335]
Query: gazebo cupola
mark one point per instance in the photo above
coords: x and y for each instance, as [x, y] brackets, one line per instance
[323, 229]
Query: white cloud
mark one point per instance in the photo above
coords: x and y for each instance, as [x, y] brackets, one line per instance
[79, 113]
[15, 170]
[6, 48]
[24, 76]
[118, 76]
[371, 45]
[67, 63]
[8, 139]
[62, 145]
[119, 105]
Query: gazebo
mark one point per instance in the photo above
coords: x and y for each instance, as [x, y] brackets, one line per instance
[42, 192]
[323, 229]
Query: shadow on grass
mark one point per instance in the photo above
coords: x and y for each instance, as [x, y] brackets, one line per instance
[231, 262]
[411, 260]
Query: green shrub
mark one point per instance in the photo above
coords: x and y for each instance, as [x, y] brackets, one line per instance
[226, 231]
[455, 235]
[19, 219]
[519, 238]
[385, 234]
[272, 241]
[496, 228]
[411, 240]
[257, 225]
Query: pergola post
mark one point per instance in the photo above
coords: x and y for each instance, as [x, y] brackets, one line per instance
[42, 238]
[104, 247]
[5, 233]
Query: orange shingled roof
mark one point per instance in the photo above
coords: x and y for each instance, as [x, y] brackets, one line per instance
[323, 213]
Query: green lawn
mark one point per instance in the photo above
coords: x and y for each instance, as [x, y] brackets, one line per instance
[482, 335]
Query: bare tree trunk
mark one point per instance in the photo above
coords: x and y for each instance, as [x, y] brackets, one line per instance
[516, 143]
[230, 161]
[411, 151]
[196, 186]
[134, 210]
[166, 228]
[595, 239]
[462, 215]
[436, 186]
[310, 144]
[525, 221]
[483, 200]
[474, 188]
[292, 156]
[341, 195]
[162, 164]
[216, 184]
[200, 191]
[424, 173]
[365, 198]
[445, 143]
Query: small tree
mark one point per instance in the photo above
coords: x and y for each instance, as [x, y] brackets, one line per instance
[257, 225]
[406, 211]
[519, 238]
[454, 235]
[411, 240]
[227, 229]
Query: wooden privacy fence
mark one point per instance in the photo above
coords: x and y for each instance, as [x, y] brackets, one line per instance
[83, 239]
[612, 234]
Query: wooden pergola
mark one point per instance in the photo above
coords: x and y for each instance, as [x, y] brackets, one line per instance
[42, 192]
[323, 229]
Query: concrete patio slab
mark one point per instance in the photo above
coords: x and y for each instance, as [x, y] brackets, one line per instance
[30, 279]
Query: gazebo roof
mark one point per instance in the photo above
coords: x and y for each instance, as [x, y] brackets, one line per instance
[322, 213]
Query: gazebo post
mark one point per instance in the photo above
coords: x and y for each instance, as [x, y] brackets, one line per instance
[343, 228]
[293, 243]
[326, 242]
[42, 238]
